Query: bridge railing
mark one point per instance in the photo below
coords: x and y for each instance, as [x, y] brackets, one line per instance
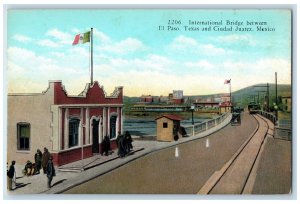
[268, 115]
[191, 130]
[282, 128]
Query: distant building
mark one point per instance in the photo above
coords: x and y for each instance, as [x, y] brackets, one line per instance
[69, 126]
[208, 99]
[217, 99]
[225, 98]
[177, 94]
[146, 99]
[177, 101]
[198, 100]
[163, 99]
[225, 107]
[200, 105]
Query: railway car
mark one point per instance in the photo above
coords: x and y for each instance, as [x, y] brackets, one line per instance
[253, 108]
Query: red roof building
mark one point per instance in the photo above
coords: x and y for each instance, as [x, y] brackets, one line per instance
[70, 127]
[225, 107]
[171, 117]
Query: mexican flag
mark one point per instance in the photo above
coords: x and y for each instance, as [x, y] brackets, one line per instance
[82, 38]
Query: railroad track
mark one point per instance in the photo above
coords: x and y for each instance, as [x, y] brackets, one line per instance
[233, 177]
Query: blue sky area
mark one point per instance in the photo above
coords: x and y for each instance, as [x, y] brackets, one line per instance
[130, 50]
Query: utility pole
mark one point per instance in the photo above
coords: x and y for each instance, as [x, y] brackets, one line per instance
[268, 99]
[268, 95]
[258, 92]
[91, 44]
[276, 88]
[276, 100]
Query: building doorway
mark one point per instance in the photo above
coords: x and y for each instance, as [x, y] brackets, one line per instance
[73, 132]
[113, 126]
[95, 147]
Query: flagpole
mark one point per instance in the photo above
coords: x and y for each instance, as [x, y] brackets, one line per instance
[230, 96]
[91, 36]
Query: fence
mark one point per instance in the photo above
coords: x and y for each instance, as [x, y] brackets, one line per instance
[270, 116]
[282, 129]
[201, 127]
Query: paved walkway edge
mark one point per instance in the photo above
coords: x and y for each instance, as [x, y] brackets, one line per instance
[251, 180]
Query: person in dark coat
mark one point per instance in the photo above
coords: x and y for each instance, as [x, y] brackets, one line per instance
[120, 144]
[38, 160]
[29, 168]
[128, 142]
[45, 158]
[10, 175]
[106, 145]
[50, 171]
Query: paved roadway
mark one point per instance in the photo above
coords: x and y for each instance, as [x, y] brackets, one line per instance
[163, 173]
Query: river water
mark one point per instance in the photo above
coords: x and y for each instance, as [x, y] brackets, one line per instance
[147, 126]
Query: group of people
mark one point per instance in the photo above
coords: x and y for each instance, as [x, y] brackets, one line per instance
[42, 160]
[124, 143]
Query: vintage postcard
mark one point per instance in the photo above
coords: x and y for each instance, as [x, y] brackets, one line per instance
[149, 101]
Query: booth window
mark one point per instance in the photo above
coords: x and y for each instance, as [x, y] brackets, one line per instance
[165, 125]
[23, 136]
[73, 132]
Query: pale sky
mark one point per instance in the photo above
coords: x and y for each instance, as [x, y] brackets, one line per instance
[130, 51]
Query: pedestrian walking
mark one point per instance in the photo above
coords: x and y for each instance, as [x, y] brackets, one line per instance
[120, 144]
[45, 158]
[38, 160]
[106, 145]
[50, 171]
[128, 142]
[10, 175]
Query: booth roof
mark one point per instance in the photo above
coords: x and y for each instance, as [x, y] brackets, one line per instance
[170, 116]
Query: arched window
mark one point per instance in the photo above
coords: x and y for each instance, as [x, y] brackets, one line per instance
[73, 132]
[23, 136]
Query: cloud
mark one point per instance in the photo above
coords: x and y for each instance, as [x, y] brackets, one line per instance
[190, 46]
[23, 56]
[151, 62]
[150, 73]
[158, 83]
[129, 45]
[260, 71]
[26, 65]
[60, 36]
[102, 37]
[22, 38]
[202, 64]
[236, 39]
[47, 43]
[57, 39]
[58, 54]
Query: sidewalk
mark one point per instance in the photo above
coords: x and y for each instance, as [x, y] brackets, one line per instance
[94, 167]
[262, 166]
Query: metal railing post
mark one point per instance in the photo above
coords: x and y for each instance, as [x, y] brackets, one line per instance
[193, 130]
